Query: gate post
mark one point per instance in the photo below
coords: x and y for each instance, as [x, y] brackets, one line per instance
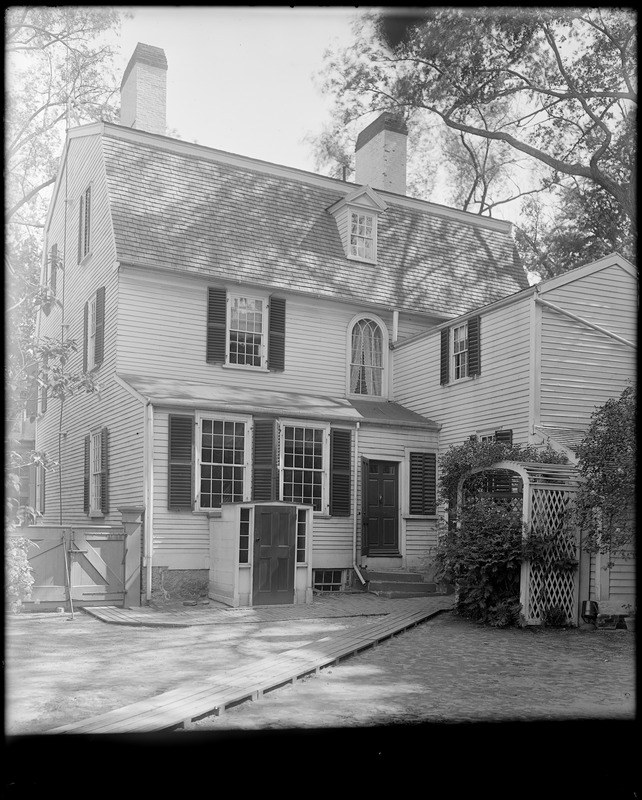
[132, 517]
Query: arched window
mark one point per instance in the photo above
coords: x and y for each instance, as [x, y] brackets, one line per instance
[366, 358]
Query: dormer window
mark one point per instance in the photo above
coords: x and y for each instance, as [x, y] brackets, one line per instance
[357, 218]
[363, 229]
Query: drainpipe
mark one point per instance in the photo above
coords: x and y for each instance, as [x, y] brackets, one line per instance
[354, 506]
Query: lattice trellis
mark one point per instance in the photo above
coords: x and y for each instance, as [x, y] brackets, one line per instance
[548, 491]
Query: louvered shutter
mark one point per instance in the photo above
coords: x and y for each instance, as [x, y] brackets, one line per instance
[340, 446]
[43, 386]
[41, 498]
[264, 472]
[474, 346]
[31, 391]
[85, 337]
[87, 467]
[216, 320]
[104, 471]
[423, 483]
[53, 268]
[504, 436]
[444, 374]
[276, 334]
[181, 463]
[81, 214]
[99, 341]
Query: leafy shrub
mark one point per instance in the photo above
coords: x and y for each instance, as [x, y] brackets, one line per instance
[18, 573]
[554, 617]
[505, 613]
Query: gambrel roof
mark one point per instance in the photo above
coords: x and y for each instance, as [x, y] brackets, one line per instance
[181, 206]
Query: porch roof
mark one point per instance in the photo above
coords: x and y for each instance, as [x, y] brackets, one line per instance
[567, 437]
[167, 392]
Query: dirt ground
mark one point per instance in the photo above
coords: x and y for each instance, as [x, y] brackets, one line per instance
[60, 670]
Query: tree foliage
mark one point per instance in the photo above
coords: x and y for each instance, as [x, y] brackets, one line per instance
[551, 88]
[607, 463]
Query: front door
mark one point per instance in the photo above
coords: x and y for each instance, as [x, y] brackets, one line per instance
[274, 554]
[381, 508]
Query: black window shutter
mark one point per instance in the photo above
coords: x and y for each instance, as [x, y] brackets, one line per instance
[99, 342]
[53, 267]
[216, 320]
[444, 373]
[423, 483]
[340, 447]
[86, 475]
[504, 436]
[181, 463]
[104, 471]
[264, 473]
[276, 334]
[31, 390]
[43, 387]
[474, 346]
[85, 337]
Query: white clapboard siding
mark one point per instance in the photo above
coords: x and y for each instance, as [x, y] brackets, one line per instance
[181, 538]
[498, 397]
[581, 367]
[162, 331]
[111, 407]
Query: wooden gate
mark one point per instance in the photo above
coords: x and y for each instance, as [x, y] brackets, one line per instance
[79, 566]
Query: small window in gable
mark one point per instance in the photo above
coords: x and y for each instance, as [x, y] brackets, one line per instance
[84, 224]
[94, 331]
[460, 351]
[246, 330]
[367, 358]
[363, 230]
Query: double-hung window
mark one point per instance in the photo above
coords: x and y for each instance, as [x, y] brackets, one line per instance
[223, 459]
[94, 330]
[247, 320]
[304, 458]
[460, 351]
[96, 490]
[363, 231]
[84, 224]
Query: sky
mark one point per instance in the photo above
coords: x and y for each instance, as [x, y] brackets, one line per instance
[241, 79]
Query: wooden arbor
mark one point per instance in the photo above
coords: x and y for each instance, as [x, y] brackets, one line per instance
[545, 493]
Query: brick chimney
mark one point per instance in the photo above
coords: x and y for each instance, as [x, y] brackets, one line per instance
[380, 154]
[143, 90]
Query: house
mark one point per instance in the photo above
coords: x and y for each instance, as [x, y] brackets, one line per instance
[532, 368]
[243, 321]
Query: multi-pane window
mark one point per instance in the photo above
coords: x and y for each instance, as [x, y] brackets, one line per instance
[301, 534]
[247, 320]
[362, 235]
[460, 351]
[303, 465]
[84, 227]
[244, 536]
[366, 358]
[222, 462]
[96, 472]
[91, 333]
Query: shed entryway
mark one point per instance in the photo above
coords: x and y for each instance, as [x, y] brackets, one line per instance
[545, 494]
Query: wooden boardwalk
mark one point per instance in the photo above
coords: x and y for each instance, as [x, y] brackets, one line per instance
[213, 695]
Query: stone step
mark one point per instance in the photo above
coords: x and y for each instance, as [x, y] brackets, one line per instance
[393, 575]
[402, 587]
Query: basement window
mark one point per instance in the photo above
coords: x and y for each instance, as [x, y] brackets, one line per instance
[328, 580]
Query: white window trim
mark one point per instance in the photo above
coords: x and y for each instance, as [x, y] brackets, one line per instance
[486, 434]
[265, 299]
[95, 491]
[374, 216]
[91, 332]
[452, 354]
[325, 486]
[386, 354]
[247, 455]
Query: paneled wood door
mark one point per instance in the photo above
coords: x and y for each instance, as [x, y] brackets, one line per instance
[381, 508]
[274, 555]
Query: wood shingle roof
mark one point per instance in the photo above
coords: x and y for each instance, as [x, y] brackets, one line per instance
[183, 209]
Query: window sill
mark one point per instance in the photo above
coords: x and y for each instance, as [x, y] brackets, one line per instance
[245, 367]
[96, 515]
[86, 258]
[362, 260]
[428, 517]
